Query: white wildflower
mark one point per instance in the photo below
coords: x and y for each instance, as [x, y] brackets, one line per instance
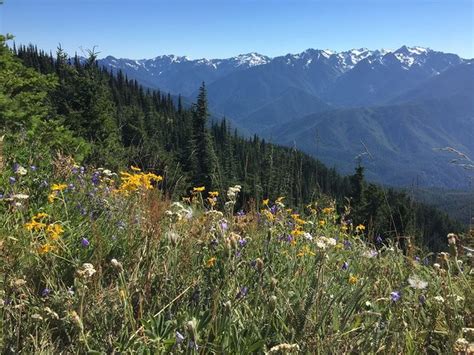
[86, 271]
[439, 299]
[21, 170]
[20, 197]
[417, 283]
[308, 236]
[451, 239]
[116, 264]
[284, 348]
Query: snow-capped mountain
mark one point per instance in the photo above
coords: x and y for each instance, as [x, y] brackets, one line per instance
[400, 102]
[182, 75]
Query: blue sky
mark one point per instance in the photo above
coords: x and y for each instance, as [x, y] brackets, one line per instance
[223, 28]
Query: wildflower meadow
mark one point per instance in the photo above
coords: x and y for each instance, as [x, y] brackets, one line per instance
[97, 261]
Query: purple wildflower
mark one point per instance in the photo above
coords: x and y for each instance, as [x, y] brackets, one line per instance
[242, 292]
[241, 213]
[85, 242]
[45, 293]
[274, 209]
[33, 168]
[422, 299]
[395, 296]
[12, 180]
[242, 242]
[379, 239]
[16, 166]
[95, 178]
[345, 265]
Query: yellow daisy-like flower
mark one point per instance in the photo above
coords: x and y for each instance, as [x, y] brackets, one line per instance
[55, 231]
[353, 279]
[265, 202]
[211, 262]
[322, 223]
[46, 248]
[58, 187]
[360, 228]
[328, 210]
[213, 193]
[134, 182]
[34, 226]
[297, 231]
[40, 215]
[52, 197]
[199, 189]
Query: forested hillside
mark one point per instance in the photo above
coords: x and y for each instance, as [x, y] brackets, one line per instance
[53, 104]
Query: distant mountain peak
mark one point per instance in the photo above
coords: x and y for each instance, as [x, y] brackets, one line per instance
[251, 59]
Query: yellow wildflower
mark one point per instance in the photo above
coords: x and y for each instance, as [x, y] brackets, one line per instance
[134, 168]
[55, 231]
[328, 210]
[344, 228]
[211, 262]
[52, 197]
[46, 248]
[40, 215]
[297, 231]
[306, 251]
[213, 193]
[34, 225]
[322, 223]
[134, 182]
[299, 221]
[353, 279]
[360, 228]
[199, 189]
[268, 214]
[58, 187]
[266, 201]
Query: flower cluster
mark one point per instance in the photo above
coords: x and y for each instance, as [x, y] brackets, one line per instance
[131, 182]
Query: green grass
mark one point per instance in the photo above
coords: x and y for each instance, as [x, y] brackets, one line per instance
[134, 272]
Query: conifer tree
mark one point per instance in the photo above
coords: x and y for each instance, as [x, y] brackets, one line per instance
[203, 151]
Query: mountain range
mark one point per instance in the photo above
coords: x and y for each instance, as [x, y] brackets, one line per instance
[395, 106]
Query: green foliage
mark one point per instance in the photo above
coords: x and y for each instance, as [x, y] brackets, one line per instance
[27, 117]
